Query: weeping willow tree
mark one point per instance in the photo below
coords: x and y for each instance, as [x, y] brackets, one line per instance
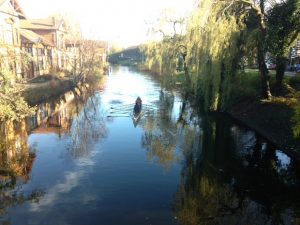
[217, 38]
[213, 51]
[154, 60]
[162, 56]
[209, 49]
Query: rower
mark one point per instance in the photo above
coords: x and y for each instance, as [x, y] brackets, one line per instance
[138, 106]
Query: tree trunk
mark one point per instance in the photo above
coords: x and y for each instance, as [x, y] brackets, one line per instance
[280, 68]
[259, 11]
[261, 50]
[221, 87]
[265, 83]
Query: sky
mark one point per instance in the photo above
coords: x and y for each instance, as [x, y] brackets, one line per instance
[125, 22]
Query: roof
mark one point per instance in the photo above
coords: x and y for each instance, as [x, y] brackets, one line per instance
[17, 7]
[2, 1]
[95, 43]
[41, 24]
[34, 38]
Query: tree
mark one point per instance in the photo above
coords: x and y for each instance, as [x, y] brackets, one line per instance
[283, 26]
[86, 60]
[12, 104]
[257, 8]
[164, 53]
[213, 48]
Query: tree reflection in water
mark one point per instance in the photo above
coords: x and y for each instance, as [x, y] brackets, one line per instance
[88, 127]
[229, 175]
[232, 177]
[16, 160]
[160, 136]
[75, 114]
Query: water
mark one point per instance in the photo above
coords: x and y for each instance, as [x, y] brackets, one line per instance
[83, 160]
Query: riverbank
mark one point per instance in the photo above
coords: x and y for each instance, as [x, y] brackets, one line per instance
[45, 87]
[273, 119]
[270, 120]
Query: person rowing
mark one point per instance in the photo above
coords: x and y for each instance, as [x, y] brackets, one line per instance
[138, 106]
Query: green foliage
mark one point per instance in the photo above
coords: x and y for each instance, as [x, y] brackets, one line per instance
[220, 38]
[213, 49]
[12, 105]
[163, 57]
[283, 26]
[245, 85]
[296, 119]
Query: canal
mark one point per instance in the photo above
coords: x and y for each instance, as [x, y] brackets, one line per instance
[83, 159]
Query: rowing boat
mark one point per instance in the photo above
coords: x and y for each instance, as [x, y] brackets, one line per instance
[136, 115]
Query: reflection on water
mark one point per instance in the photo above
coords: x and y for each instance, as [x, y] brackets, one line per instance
[237, 178]
[82, 159]
[17, 156]
[16, 160]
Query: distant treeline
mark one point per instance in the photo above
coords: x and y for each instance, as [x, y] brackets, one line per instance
[129, 56]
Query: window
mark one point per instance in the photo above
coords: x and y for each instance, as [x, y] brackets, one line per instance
[8, 37]
[28, 50]
[40, 61]
[8, 31]
[1, 34]
[16, 37]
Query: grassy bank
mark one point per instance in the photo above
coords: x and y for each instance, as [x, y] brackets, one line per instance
[274, 119]
[45, 87]
[278, 119]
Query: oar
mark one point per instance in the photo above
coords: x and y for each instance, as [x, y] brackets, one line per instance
[118, 116]
[150, 107]
[118, 112]
[120, 109]
[123, 106]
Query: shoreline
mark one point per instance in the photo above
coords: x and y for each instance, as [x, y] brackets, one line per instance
[271, 121]
[261, 118]
[36, 93]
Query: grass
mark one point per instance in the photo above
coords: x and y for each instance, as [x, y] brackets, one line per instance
[246, 85]
[42, 79]
[276, 119]
[35, 94]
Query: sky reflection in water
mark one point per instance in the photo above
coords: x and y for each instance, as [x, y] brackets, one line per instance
[161, 170]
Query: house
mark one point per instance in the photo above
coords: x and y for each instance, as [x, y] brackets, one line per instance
[40, 52]
[33, 47]
[10, 16]
[52, 31]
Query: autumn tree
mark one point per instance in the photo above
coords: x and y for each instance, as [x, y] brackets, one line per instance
[12, 104]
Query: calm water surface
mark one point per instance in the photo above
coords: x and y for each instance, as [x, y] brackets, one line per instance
[84, 160]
